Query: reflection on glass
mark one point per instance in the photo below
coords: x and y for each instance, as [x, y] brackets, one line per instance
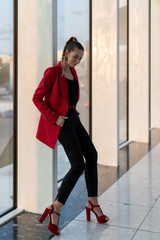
[122, 70]
[73, 20]
[6, 105]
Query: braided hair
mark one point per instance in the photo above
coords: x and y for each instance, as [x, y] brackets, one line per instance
[71, 44]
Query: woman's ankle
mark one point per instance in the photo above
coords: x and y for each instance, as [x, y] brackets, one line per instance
[93, 200]
[57, 206]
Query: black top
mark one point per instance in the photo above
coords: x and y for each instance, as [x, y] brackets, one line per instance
[72, 100]
[72, 91]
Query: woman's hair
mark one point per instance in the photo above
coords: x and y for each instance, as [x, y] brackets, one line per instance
[71, 44]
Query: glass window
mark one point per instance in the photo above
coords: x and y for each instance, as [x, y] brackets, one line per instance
[123, 71]
[6, 105]
[73, 20]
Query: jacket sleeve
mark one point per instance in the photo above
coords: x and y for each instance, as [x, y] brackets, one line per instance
[41, 92]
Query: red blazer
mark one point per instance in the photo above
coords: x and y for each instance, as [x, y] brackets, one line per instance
[53, 88]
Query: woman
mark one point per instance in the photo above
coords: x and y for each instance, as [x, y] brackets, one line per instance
[60, 120]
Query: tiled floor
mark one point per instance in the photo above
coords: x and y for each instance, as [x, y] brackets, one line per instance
[132, 203]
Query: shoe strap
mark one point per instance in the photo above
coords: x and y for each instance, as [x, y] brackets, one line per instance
[52, 211]
[92, 206]
[58, 218]
[56, 213]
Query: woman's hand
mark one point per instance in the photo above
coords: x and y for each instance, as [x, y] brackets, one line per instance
[60, 121]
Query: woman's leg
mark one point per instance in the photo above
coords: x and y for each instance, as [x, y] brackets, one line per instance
[91, 176]
[72, 147]
[91, 155]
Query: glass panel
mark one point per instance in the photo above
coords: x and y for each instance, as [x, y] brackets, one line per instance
[73, 20]
[6, 105]
[123, 70]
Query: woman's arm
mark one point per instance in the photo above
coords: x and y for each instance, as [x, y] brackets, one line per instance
[41, 91]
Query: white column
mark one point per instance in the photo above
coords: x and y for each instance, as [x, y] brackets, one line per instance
[138, 70]
[155, 64]
[35, 160]
[104, 81]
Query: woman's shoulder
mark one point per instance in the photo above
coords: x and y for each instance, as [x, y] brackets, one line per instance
[56, 69]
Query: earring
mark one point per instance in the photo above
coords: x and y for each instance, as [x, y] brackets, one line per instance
[66, 59]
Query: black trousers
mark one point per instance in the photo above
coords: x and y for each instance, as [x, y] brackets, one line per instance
[81, 154]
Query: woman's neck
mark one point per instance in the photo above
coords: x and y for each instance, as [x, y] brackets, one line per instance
[65, 66]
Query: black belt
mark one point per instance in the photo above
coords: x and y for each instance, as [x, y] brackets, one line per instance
[72, 106]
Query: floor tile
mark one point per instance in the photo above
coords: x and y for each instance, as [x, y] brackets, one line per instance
[149, 180]
[145, 173]
[152, 221]
[143, 235]
[130, 195]
[80, 230]
[146, 167]
[157, 204]
[122, 215]
[151, 157]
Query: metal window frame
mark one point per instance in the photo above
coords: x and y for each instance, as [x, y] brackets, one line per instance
[54, 62]
[118, 122]
[125, 142]
[149, 70]
[15, 100]
[15, 108]
[127, 70]
[90, 68]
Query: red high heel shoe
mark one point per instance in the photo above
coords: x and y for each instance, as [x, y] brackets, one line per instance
[51, 227]
[100, 219]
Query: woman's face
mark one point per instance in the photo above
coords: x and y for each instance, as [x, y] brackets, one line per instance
[74, 57]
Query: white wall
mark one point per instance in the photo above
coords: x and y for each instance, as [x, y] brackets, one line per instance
[35, 160]
[104, 80]
[138, 70]
[155, 63]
